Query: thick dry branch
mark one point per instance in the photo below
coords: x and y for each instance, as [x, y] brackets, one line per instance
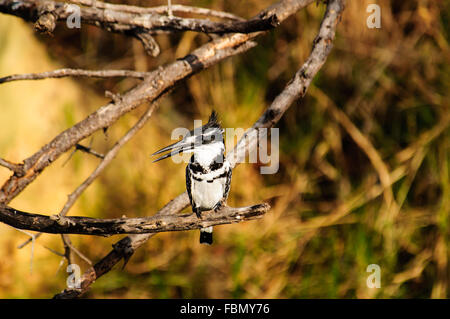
[187, 24]
[45, 14]
[57, 224]
[124, 248]
[60, 73]
[160, 9]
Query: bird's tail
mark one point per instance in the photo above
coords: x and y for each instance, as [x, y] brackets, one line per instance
[206, 235]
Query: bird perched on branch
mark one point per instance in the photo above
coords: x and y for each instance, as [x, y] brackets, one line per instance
[208, 174]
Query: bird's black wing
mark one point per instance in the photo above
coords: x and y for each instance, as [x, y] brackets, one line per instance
[188, 184]
[227, 184]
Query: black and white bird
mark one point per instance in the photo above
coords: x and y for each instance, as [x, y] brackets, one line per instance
[208, 174]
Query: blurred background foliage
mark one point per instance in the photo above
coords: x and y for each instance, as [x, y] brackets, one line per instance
[379, 108]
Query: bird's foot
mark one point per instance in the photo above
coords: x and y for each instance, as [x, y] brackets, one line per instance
[198, 213]
[219, 205]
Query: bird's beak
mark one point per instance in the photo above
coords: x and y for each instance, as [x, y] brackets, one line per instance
[185, 144]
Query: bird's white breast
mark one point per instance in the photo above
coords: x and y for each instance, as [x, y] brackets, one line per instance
[206, 195]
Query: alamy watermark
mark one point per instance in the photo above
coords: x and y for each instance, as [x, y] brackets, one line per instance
[74, 279]
[374, 279]
[374, 19]
[74, 19]
[255, 143]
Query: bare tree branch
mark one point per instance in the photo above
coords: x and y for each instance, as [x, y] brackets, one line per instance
[56, 224]
[160, 10]
[75, 73]
[45, 14]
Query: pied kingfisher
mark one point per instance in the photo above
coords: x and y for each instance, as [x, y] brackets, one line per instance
[208, 174]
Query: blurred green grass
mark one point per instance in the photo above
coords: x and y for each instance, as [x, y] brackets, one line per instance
[329, 220]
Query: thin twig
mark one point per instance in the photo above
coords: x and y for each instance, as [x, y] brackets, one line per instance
[85, 149]
[57, 253]
[33, 243]
[67, 251]
[60, 73]
[88, 150]
[16, 168]
[69, 247]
